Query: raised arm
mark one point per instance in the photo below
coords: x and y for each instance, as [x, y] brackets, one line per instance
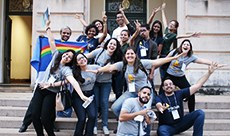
[195, 34]
[158, 62]
[83, 22]
[194, 88]
[77, 88]
[104, 19]
[50, 36]
[107, 68]
[136, 33]
[155, 10]
[164, 19]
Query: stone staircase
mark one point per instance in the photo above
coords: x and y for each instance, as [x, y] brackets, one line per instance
[14, 102]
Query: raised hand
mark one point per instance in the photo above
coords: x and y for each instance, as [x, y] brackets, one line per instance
[77, 16]
[163, 6]
[104, 17]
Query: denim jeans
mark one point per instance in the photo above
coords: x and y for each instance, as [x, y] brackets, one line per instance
[195, 119]
[102, 92]
[81, 113]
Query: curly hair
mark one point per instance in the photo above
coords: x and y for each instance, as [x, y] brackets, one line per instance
[91, 26]
[117, 53]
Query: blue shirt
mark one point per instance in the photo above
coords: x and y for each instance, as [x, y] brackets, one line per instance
[174, 100]
[92, 43]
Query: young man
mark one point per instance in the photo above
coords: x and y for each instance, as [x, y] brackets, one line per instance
[132, 109]
[170, 104]
[121, 26]
[65, 34]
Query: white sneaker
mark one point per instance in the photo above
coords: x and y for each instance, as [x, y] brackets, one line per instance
[105, 130]
[95, 130]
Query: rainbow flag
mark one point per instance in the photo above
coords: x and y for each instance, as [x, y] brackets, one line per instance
[42, 53]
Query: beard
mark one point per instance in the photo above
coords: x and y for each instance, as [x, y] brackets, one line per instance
[142, 101]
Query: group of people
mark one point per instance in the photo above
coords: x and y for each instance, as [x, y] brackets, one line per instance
[124, 63]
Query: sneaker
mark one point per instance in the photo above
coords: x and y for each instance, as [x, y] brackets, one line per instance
[95, 130]
[105, 130]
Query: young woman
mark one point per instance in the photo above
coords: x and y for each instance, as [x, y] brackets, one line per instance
[170, 36]
[111, 53]
[176, 69]
[86, 80]
[43, 106]
[100, 26]
[90, 32]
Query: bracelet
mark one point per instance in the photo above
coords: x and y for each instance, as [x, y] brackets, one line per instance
[47, 28]
[51, 84]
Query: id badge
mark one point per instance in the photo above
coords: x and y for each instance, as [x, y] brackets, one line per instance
[132, 87]
[175, 114]
[143, 53]
[183, 67]
[52, 79]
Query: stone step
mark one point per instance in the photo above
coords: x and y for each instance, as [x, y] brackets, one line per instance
[202, 102]
[9, 111]
[69, 123]
[31, 132]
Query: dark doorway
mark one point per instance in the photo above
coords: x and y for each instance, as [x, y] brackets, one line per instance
[7, 50]
[137, 10]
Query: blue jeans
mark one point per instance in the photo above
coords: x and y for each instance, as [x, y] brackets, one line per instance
[81, 113]
[195, 119]
[66, 113]
[102, 92]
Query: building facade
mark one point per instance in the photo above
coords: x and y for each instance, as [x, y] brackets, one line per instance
[210, 17]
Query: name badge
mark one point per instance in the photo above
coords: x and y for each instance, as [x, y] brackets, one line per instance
[52, 79]
[175, 114]
[143, 52]
[183, 67]
[132, 86]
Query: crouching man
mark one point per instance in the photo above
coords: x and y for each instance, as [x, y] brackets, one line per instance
[134, 116]
[170, 104]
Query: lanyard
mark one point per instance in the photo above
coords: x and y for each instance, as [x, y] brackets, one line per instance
[174, 100]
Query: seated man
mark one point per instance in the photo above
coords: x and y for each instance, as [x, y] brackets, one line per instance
[134, 115]
[170, 104]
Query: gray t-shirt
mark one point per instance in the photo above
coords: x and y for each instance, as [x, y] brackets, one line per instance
[130, 127]
[177, 67]
[141, 78]
[101, 59]
[61, 73]
[89, 77]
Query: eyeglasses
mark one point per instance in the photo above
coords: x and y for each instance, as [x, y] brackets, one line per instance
[143, 30]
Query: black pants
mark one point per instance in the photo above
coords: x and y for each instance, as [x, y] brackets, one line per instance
[43, 108]
[181, 82]
[118, 84]
[27, 120]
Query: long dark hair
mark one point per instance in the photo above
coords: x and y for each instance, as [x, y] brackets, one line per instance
[77, 70]
[117, 54]
[160, 33]
[137, 63]
[58, 59]
[190, 52]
